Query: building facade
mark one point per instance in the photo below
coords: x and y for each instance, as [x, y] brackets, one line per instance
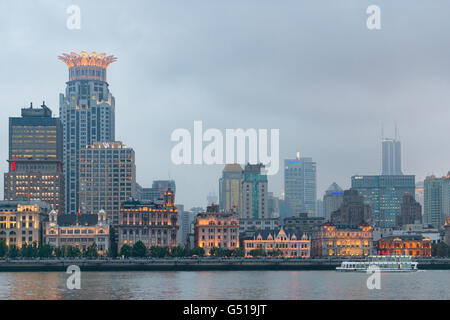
[254, 193]
[411, 245]
[432, 211]
[411, 211]
[23, 222]
[300, 185]
[332, 200]
[35, 158]
[289, 245]
[87, 113]
[79, 231]
[384, 194]
[230, 187]
[342, 241]
[107, 178]
[215, 229]
[156, 225]
[353, 210]
[302, 223]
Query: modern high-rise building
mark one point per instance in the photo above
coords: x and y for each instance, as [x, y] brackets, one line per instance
[107, 178]
[332, 200]
[230, 187]
[391, 163]
[254, 197]
[384, 194]
[35, 158]
[87, 113]
[211, 198]
[419, 196]
[300, 185]
[432, 211]
[445, 198]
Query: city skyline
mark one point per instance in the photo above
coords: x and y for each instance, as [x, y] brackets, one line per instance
[321, 130]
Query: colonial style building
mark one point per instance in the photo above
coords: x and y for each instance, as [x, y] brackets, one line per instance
[342, 241]
[153, 224]
[258, 224]
[214, 229]
[22, 222]
[271, 241]
[411, 245]
[78, 231]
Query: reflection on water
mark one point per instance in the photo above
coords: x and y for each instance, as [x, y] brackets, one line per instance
[269, 285]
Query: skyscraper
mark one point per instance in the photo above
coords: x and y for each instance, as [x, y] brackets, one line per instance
[391, 157]
[107, 178]
[87, 113]
[254, 197]
[35, 158]
[300, 185]
[384, 194]
[432, 211]
[230, 187]
[332, 200]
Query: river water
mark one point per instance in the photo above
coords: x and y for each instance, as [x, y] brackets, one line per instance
[271, 285]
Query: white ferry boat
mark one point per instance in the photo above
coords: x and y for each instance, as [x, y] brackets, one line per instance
[385, 263]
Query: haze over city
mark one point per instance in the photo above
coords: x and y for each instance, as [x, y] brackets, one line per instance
[312, 70]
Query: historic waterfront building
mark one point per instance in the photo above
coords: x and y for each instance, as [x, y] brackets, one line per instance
[353, 210]
[246, 225]
[215, 229]
[342, 241]
[254, 193]
[289, 245]
[107, 178]
[411, 245]
[230, 187]
[300, 185]
[153, 224]
[79, 231]
[87, 113]
[35, 158]
[411, 211]
[22, 222]
[384, 194]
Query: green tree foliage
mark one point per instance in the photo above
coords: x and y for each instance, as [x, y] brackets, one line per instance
[91, 251]
[125, 251]
[198, 252]
[3, 248]
[159, 252]
[440, 249]
[139, 249]
[45, 251]
[29, 250]
[257, 253]
[179, 251]
[13, 252]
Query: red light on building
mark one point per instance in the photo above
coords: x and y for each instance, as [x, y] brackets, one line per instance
[13, 165]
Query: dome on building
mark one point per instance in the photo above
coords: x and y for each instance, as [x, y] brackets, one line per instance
[233, 167]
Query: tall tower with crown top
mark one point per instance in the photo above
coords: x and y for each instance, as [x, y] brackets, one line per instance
[87, 114]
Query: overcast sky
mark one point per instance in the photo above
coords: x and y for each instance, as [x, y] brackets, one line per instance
[309, 68]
